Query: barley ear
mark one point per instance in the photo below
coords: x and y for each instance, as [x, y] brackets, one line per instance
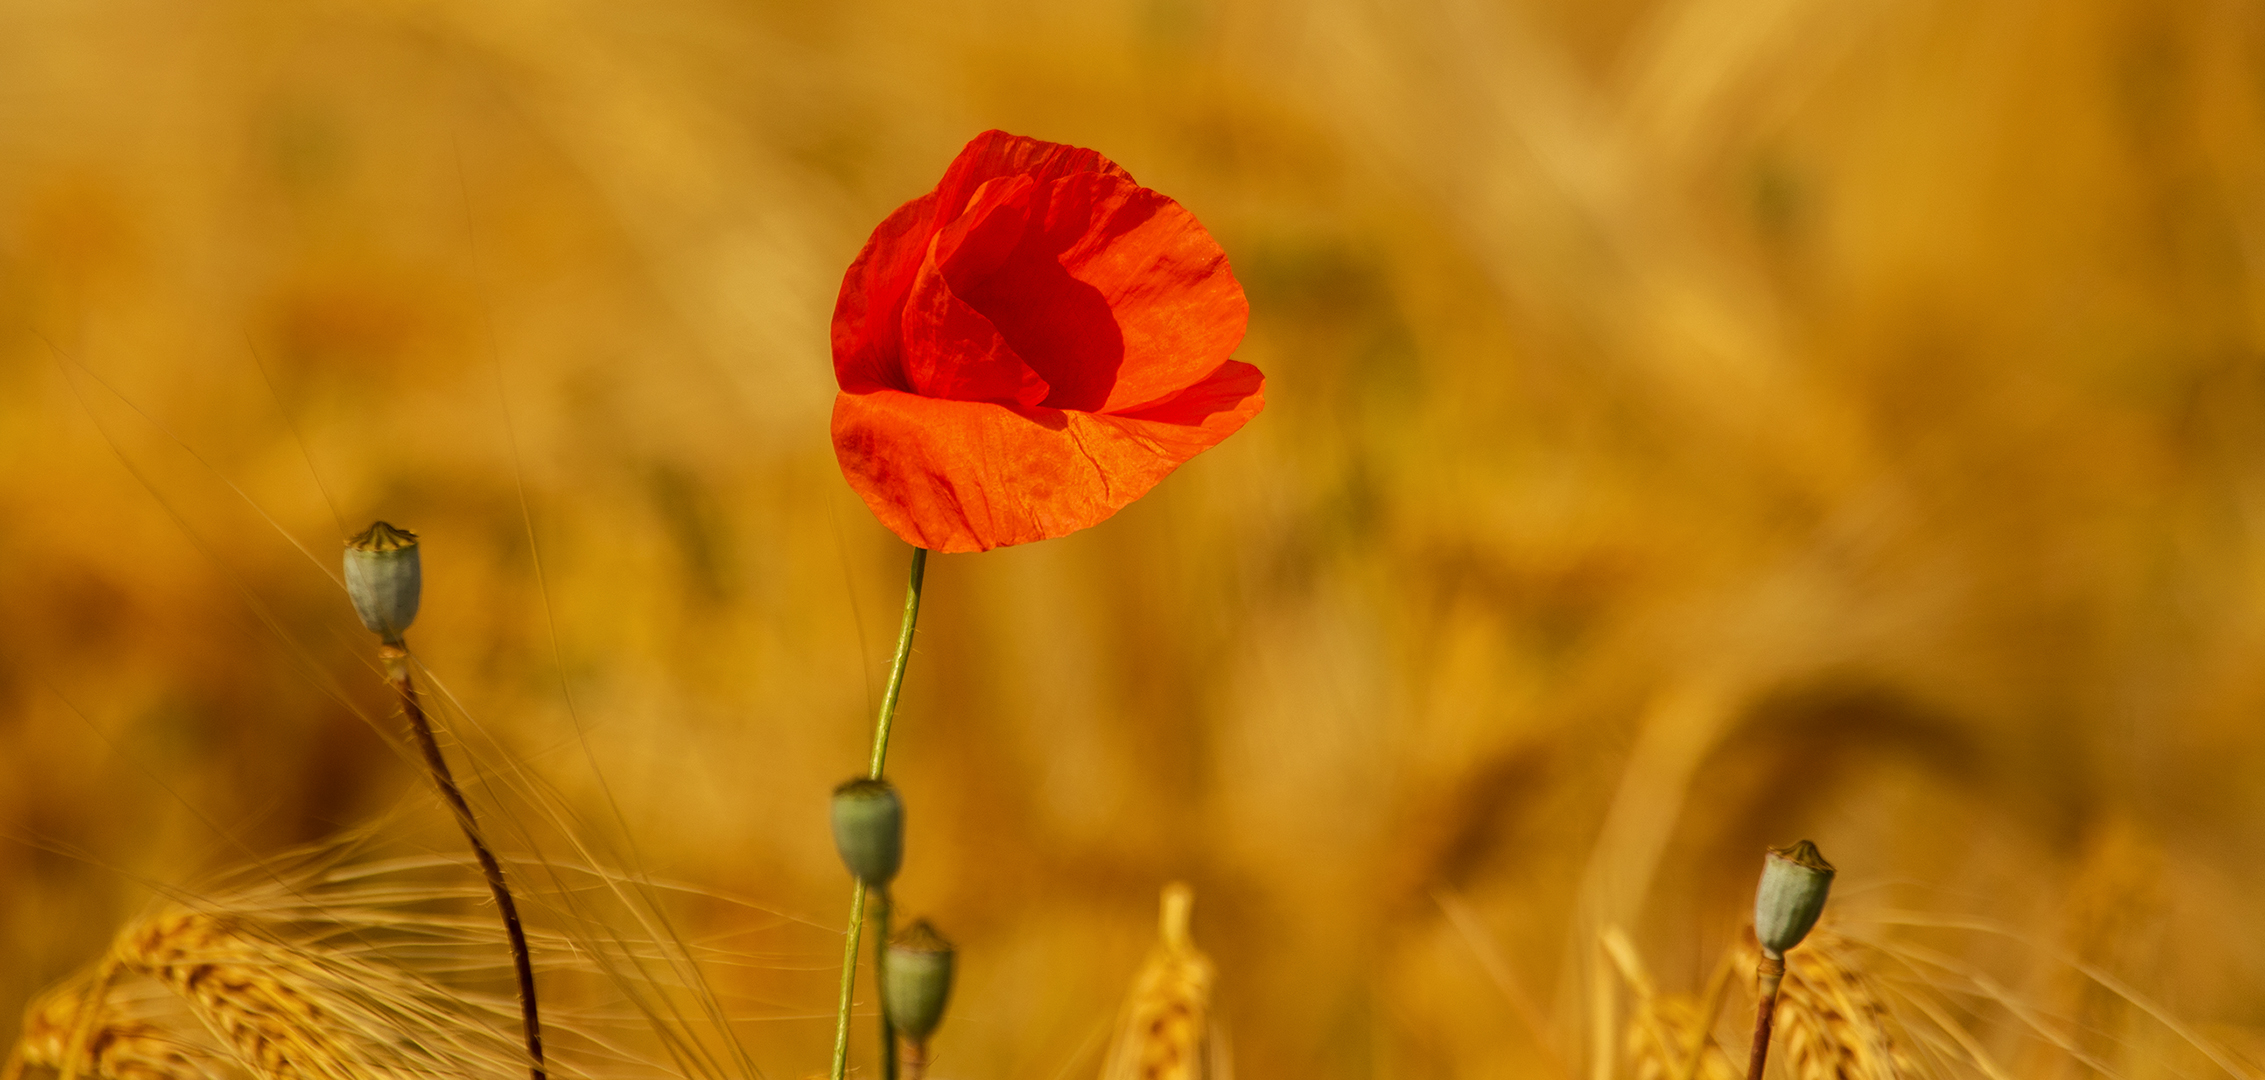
[109, 1046]
[263, 1010]
[1836, 1022]
[1167, 1031]
[82, 1029]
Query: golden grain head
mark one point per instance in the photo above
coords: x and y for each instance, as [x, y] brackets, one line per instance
[1857, 400]
[262, 1007]
[110, 1046]
[1167, 1031]
[290, 1002]
[329, 964]
[1664, 1031]
[1833, 1022]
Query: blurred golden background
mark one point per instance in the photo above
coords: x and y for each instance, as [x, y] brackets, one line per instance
[1693, 425]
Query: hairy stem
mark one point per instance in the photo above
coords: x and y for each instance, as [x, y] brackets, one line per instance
[397, 672]
[881, 915]
[880, 758]
[896, 667]
[849, 976]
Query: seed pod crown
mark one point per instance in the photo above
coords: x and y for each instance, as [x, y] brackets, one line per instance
[1795, 881]
[918, 981]
[384, 578]
[869, 830]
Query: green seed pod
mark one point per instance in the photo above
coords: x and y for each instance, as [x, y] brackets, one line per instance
[917, 981]
[383, 578]
[1792, 894]
[869, 830]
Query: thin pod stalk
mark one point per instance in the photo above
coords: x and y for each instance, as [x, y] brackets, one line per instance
[881, 726]
[384, 579]
[849, 977]
[1771, 973]
[896, 666]
[881, 917]
[397, 672]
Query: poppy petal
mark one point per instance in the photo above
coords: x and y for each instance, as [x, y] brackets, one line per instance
[1116, 296]
[1030, 347]
[1228, 396]
[865, 328]
[971, 247]
[971, 476]
[996, 153]
[951, 351]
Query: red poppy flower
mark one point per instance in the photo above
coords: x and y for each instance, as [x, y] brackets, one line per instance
[1030, 347]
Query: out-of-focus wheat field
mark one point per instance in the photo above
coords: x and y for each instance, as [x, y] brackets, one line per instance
[1693, 425]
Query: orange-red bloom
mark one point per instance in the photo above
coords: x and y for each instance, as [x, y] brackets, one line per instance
[1030, 347]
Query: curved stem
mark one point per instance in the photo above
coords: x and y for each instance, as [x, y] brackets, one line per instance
[896, 667]
[880, 758]
[397, 672]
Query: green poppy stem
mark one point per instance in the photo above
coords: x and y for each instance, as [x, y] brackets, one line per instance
[881, 915]
[849, 977]
[880, 758]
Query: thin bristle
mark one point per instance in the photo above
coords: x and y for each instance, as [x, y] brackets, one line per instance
[2109, 920]
[1665, 1029]
[327, 964]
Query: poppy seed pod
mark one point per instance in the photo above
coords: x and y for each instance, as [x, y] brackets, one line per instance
[384, 578]
[869, 830]
[917, 981]
[1792, 894]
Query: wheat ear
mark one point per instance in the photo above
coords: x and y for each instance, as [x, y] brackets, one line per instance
[1667, 1035]
[1167, 1032]
[1833, 1021]
[109, 1046]
[266, 1013]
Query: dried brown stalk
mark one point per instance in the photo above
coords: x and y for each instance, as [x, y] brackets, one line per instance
[397, 673]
